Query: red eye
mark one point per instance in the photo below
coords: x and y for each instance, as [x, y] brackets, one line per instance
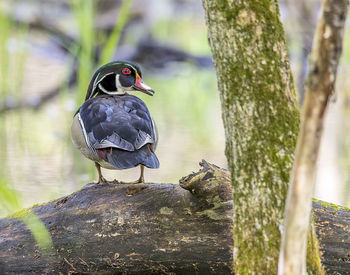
[126, 71]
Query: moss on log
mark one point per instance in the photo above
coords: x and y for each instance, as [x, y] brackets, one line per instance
[181, 228]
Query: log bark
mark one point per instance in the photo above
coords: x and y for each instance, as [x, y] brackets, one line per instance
[181, 228]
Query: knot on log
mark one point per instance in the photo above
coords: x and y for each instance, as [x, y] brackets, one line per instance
[209, 182]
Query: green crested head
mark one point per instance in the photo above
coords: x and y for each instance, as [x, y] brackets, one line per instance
[117, 78]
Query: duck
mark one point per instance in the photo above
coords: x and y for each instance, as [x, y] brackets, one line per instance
[114, 128]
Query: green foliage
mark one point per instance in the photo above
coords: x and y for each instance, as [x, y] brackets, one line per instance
[83, 11]
[10, 201]
[36, 226]
[84, 14]
[10, 84]
[39, 231]
[9, 197]
[113, 40]
[4, 57]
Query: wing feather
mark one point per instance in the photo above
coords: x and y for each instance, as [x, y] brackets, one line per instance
[114, 141]
[121, 122]
[142, 139]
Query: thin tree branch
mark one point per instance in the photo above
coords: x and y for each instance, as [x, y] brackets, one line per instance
[326, 51]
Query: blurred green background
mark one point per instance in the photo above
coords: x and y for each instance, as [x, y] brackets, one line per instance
[49, 50]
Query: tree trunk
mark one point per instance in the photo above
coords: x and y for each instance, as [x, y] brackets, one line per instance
[149, 228]
[261, 121]
[324, 60]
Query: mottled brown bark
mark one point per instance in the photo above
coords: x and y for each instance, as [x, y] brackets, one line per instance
[150, 228]
[324, 59]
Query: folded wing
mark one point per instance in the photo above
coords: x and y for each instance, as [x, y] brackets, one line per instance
[123, 127]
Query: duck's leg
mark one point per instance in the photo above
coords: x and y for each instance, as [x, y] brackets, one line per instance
[141, 179]
[101, 179]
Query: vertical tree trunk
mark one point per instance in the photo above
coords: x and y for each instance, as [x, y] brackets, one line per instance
[324, 60]
[261, 120]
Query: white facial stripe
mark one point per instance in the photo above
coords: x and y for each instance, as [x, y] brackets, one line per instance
[119, 86]
[97, 83]
[120, 92]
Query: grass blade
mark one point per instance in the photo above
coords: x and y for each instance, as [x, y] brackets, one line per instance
[113, 40]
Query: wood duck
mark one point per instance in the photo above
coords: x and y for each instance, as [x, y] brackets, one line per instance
[113, 128]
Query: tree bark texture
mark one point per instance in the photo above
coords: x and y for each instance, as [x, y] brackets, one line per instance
[324, 60]
[150, 228]
[261, 121]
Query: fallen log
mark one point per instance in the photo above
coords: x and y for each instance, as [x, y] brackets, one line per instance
[181, 228]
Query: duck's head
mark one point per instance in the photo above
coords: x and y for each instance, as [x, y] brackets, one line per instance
[117, 78]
